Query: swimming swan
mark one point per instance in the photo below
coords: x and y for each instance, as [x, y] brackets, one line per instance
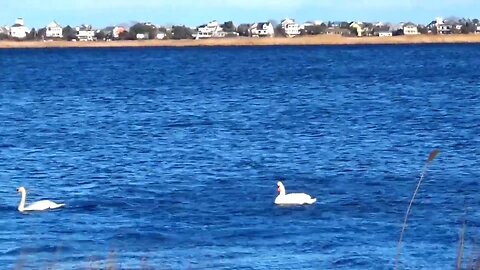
[36, 206]
[292, 198]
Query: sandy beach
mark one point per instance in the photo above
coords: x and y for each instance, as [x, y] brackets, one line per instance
[245, 41]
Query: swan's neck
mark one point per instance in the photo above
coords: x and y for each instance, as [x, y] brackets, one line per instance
[282, 191]
[21, 206]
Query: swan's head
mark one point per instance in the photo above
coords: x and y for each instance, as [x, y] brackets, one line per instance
[280, 187]
[21, 190]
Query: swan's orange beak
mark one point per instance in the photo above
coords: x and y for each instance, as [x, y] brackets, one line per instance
[278, 189]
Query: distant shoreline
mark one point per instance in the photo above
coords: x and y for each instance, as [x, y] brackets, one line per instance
[247, 41]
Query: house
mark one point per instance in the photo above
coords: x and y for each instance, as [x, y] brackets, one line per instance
[410, 29]
[458, 27]
[19, 30]
[244, 29]
[444, 28]
[477, 30]
[360, 27]
[382, 30]
[85, 33]
[210, 30]
[107, 32]
[312, 28]
[117, 31]
[53, 30]
[385, 33]
[308, 24]
[142, 36]
[4, 30]
[338, 31]
[290, 28]
[440, 26]
[262, 29]
[340, 24]
[161, 35]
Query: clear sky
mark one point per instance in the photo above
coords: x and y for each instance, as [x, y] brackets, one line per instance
[100, 13]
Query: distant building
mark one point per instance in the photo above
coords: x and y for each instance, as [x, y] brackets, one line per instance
[210, 30]
[161, 35]
[85, 33]
[290, 28]
[244, 29]
[385, 34]
[410, 29]
[444, 28]
[337, 31]
[117, 31]
[4, 30]
[382, 30]
[262, 29]
[311, 23]
[19, 30]
[360, 27]
[308, 24]
[53, 30]
[143, 36]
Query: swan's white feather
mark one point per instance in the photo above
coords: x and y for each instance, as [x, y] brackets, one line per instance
[42, 205]
[295, 198]
[36, 206]
[292, 198]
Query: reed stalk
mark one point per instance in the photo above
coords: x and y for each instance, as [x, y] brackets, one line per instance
[431, 157]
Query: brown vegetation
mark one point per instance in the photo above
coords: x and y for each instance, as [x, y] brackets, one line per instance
[246, 41]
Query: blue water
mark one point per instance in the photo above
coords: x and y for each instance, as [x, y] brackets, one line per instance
[169, 157]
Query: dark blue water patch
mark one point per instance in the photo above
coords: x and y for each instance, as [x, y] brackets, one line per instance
[173, 154]
[37, 249]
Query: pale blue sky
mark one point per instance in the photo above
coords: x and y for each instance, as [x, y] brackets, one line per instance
[100, 13]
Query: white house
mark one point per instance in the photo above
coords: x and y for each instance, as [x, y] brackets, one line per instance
[337, 31]
[290, 27]
[385, 34]
[141, 36]
[19, 30]
[161, 35]
[85, 33]
[117, 30]
[309, 23]
[444, 28]
[360, 27]
[210, 30]
[53, 30]
[410, 29]
[262, 29]
[477, 31]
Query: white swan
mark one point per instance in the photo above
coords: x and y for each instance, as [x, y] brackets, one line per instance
[36, 206]
[292, 198]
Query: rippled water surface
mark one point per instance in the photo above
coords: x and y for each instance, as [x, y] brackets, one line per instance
[170, 157]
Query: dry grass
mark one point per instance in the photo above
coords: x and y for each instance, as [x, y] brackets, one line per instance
[474, 257]
[245, 41]
[461, 248]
